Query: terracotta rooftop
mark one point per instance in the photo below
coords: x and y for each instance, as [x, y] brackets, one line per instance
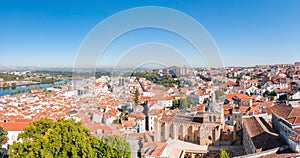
[137, 115]
[14, 126]
[128, 123]
[295, 137]
[155, 148]
[287, 112]
[155, 111]
[261, 136]
[266, 103]
[230, 83]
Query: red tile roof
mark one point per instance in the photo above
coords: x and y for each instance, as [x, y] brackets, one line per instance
[14, 126]
[287, 112]
[262, 138]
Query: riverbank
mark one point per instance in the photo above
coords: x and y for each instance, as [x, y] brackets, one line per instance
[24, 88]
[34, 83]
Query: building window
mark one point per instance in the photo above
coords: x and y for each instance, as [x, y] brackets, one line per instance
[209, 137]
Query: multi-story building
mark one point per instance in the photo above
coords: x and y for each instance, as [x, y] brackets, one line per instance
[140, 120]
[13, 130]
[199, 97]
[286, 120]
[257, 136]
[152, 115]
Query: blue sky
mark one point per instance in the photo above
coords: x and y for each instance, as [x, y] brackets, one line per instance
[247, 32]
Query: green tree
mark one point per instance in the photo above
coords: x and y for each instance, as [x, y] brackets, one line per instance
[3, 136]
[259, 86]
[34, 87]
[5, 84]
[115, 146]
[51, 84]
[176, 103]
[28, 89]
[116, 121]
[223, 154]
[62, 138]
[219, 93]
[184, 103]
[136, 99]
[14, 85]
[8, 77]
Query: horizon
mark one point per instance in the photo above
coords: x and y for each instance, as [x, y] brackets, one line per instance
[246, 33]
[107, 69]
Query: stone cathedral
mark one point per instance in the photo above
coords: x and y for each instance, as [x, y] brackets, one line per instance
[203, 128]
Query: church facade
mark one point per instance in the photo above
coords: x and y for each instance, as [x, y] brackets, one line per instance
[203, 128]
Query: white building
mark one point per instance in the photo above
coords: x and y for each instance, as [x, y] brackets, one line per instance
[165, 102]
[199, 97]
[13, 130]
[153, 114]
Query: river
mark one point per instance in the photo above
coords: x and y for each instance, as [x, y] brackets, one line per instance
[4, 91]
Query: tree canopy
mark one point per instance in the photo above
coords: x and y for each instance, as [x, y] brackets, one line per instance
[10, 77]
[219, 93]
[115, 146]
[182, 103]
[62, 138]
[223, 154]
[136, 97]
[3, 136]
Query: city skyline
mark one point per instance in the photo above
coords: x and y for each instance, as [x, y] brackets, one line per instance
[246, 33]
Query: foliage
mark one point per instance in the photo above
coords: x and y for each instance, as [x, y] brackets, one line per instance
[204, 78]
[17, 92]
[151, 76]
[116, 121]
[259, 86]
[56, 73]
[63, 138]
[3, 136]
[115, 146]
[99, 74]
[48, 80]
[218, 94]
[14, 85]
[10, 77]
[282, 97]
[223, 154]
[268, 93]
[182, 103]
[136, 99]
[5, 84]
[167, 81]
